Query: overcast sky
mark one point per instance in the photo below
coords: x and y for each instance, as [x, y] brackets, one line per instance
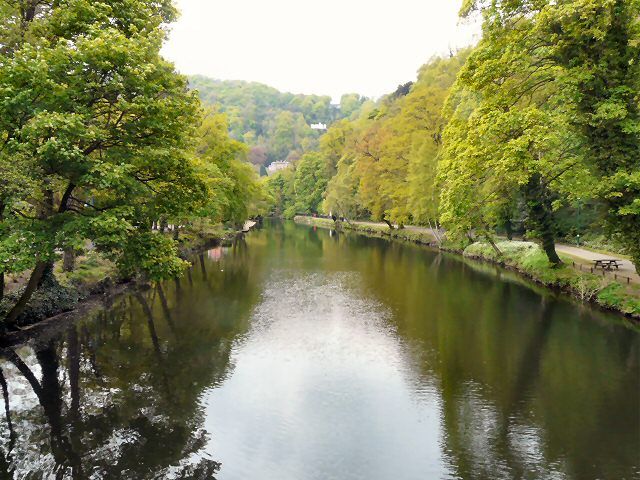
[326, 47]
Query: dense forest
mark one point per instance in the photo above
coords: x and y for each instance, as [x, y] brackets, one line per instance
[275, 125]
[535, 131]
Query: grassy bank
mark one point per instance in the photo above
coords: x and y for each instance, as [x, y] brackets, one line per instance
[524, 257]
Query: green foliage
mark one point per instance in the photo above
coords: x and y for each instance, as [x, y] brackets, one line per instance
[100, 140]
[561, 87]
[151, 253]
[280, 188]
[233, 190]
[310, 181]
[385, 163]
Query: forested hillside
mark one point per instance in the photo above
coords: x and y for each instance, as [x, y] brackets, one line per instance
[534, 131]
[275, 125]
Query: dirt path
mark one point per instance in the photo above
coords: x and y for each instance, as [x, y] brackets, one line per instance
[627, 269]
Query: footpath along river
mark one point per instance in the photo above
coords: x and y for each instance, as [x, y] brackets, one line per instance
[302, 354]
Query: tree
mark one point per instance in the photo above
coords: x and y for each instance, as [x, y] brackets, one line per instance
[509, 133]
[281, 190]
[310, 182]
[603, 77]
[103, 124]
[596, 78]
[350, 104]
[232, 183]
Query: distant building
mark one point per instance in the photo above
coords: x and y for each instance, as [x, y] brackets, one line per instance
[318, 126]
[277, 166]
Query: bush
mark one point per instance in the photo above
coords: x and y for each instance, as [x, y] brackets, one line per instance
[49, 300]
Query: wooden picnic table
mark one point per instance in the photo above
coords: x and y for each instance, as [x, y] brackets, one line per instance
[608, 263]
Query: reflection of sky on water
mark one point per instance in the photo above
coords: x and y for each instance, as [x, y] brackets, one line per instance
[323, 385]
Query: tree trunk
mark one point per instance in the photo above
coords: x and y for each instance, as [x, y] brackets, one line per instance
[508, 227]
[493, 245]
[549, 247]
[541, 216]
[69, 260]
[34, 281]
[43, 271]
[391, 227]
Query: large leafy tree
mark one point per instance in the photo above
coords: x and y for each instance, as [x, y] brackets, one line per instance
[390, 154]
[98, 124]
[508, 135]
[310, 182]
[234, 192]
[589, 50]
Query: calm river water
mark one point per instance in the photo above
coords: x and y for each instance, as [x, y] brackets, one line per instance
[299, 354]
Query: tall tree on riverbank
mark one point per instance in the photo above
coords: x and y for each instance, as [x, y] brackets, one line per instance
[103, 123]
[234, 192]
[508, 135]
[592, 48]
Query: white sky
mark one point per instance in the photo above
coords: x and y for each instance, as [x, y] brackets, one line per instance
[327, 47]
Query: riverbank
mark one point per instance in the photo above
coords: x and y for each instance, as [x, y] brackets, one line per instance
[93, 279]
[526, 258]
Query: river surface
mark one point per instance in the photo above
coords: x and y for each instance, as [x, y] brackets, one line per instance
[301, 354]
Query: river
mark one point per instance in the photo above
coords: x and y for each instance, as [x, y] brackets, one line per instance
[302, 354]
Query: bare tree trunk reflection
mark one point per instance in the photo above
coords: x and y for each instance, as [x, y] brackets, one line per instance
[49, 395]
[154, 339]
[73, 365]
[5, 461]
[90, 346]
[202, 266]
[165, 308]
[176, 280]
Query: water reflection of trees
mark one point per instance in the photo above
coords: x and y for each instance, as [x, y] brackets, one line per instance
[119, 395]
[530, 386]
